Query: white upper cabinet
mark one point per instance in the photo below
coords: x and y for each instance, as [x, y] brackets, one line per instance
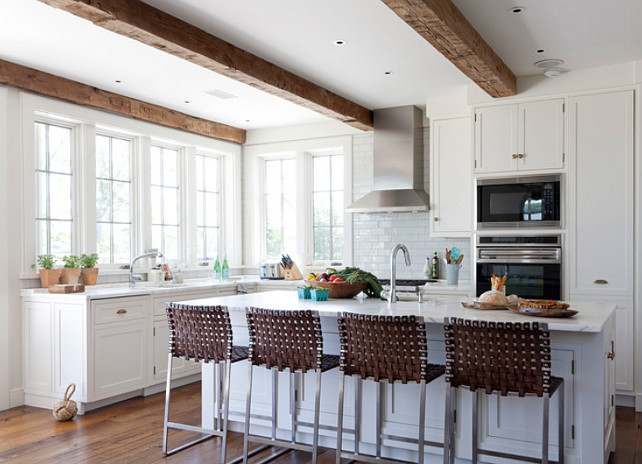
[601, 194]
[451, 185]
[520, 137]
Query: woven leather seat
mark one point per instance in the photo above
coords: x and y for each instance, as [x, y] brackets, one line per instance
[201, 334]
[280, 341]
[497, 357]
[384, 349]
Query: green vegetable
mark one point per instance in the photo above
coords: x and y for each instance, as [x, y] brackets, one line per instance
[354, 274]
[329, 271]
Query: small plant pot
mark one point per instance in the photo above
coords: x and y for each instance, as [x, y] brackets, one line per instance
[89, 275]
[49, 277]
[318, 294]
[70, 275]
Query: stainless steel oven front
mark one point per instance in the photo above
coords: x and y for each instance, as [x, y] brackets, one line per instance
[533, 265]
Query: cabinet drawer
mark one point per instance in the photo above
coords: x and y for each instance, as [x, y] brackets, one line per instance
[120, 309]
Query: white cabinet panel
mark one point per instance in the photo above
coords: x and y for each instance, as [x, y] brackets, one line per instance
[601, 212]
[451, 187]
[38, 356]
[496, 138]
[120, 358]
[541, 130]
[70, 348]
[120, 309]
[181, 367]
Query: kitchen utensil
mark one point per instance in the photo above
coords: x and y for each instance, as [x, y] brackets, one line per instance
[454, 253]
[448, 258]
[459, 259]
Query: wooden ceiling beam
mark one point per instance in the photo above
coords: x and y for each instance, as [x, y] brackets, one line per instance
[43, 83]
[153, 27]
[446, 29]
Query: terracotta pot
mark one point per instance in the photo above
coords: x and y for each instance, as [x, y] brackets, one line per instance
[49, 277]
[70, 275]
[89, 275]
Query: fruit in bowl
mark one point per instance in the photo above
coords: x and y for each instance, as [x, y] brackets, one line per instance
[340, 289]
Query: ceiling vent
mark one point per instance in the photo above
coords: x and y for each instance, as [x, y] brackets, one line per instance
[222, 94]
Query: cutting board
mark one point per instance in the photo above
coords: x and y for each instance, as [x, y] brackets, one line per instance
[67, 288]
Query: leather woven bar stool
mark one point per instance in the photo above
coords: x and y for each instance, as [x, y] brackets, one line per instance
[203, 334]
[281, 340]
[386, 349]
[500, 357]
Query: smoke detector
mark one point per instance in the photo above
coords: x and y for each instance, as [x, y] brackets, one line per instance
[552, 72]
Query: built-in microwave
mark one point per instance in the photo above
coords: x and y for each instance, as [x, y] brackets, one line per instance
[528, 201]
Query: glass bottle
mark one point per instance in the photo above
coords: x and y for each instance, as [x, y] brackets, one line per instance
[225, 269]
[217, 269]
[435, 266]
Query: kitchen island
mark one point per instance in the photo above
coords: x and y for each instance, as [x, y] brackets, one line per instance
[582, 353]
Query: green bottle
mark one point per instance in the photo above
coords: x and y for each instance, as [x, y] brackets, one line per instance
[226, 269]
[217, 269]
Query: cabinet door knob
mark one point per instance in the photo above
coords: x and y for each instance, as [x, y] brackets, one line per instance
[600, 281]
[436, 219]
[521, 156]
[515, 156]
[121, 311]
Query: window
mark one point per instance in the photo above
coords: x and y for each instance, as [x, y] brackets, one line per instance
[208, 207]
[327, 197]
[165, 201]
[54, 203]
[280, 207]
[113, 199]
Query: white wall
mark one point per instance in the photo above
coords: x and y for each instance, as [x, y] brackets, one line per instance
[4, 254]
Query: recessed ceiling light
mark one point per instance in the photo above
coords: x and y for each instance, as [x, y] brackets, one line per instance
[549, 63]
[388, 73]
[118, 82]
[247, 120]
[517, 9]
[186, 101]
[552, 72]
[339, 42]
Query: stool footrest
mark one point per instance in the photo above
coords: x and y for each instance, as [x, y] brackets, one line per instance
[516, 457]
[368, 458]
[193, 428]
[253, 452]
[414, 441]
[332, 428]
[279, 443]
[187, 445]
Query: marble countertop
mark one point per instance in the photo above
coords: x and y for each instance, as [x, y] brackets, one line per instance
[591, 317]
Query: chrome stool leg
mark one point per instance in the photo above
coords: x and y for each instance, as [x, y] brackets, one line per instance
[561, 441]
[545, 415]
[475, 424]
[248, 402]
[226, 407]
[293, 396]
[340, 418]
[422, 421]
[317, 411]
[168, 389]
[378, 395]
[453, 411]
[357, 413]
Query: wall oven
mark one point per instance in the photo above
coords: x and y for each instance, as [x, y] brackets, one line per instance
[533, 265]
[532, 201]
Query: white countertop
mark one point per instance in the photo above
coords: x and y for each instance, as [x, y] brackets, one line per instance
[591, 317]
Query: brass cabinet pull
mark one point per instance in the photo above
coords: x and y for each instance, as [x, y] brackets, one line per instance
[515, 156]
[121, 311]
[600, 281]
[436, 219]
[611, 355]
[521, 156]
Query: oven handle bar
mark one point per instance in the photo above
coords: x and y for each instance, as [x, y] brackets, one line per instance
[531, 256]
[519, 261]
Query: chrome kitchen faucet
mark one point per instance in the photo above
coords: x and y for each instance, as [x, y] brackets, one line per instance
[393, 269]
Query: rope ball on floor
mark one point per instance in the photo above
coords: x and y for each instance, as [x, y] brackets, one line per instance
[66, 409]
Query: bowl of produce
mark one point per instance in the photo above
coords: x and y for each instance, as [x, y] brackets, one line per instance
[346, 283]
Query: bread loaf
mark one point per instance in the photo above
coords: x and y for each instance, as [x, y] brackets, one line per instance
[494, 297]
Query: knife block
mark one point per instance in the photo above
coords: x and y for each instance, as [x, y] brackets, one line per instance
[293, 273]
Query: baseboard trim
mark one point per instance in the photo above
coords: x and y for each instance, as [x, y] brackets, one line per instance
[625, 400]
[638, 402]
[16, 397]
[160, 387]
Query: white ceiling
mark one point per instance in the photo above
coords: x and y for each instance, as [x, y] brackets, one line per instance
[299, 35]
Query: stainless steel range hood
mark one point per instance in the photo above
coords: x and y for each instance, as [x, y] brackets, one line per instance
[398, 164]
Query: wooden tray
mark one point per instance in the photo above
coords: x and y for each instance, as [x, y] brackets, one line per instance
[543, 312]
[482, 306]
[67, 288]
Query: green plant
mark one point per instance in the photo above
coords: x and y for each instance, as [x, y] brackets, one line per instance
[71, 261]
[46, 261]
[87, 261]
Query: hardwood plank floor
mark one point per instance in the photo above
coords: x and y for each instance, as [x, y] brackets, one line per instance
[131, 432]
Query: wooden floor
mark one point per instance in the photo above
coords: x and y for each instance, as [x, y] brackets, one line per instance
[131, 432]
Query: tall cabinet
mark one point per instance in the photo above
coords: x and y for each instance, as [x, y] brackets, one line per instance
[601, 213]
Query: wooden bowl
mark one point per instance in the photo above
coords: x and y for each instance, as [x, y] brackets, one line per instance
[339, 289]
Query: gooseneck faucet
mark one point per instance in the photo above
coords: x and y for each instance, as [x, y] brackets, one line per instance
[393, 269]
[134, 277]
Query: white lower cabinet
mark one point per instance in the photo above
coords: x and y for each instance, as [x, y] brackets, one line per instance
[180, 368]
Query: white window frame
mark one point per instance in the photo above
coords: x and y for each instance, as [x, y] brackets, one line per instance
[302, 151]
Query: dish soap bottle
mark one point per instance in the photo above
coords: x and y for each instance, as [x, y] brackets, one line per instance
[435, 266]
[217, 269]
[428, 268]
[226, 269]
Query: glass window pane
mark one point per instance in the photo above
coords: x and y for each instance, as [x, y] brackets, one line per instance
[156, 198]
[322, 243]
[102, 156]
[59, 149]
[289, 213]
[211, 167]
[211, 209]
[60, 237]
[121, 159]
[41, 186]
[200, 243]
[289, 176]
[122, 241]
[170, 168]
[103, 245]
[60, 196]
[289, 240]
[200, 213]
[273, 176]
[103, 201]
[337, 172]
[41, 146]
[273, 211]
[157, 238]
[337, 243]
[321, 209]
[170, 199]
[321, 173]
[171, 242]
[337, 208]
[273, 243]
[156, 165]
[42, 237]
[122, 201]
[199, 172]
[212, 242]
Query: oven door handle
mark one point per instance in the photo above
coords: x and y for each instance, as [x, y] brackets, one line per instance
[519, 261]
[531, 256]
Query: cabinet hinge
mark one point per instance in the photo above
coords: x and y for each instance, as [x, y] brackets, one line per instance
[455, 416]
[296, 395]
[475, 117]
[563, 107]
[573, 367]
[154, 370]
[475, 163]
[154, 331]
[563, 157]
[612, 401]
[572, 432]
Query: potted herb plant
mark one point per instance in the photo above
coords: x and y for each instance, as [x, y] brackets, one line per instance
[48, 275]
[89, 271]
[71, 272]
